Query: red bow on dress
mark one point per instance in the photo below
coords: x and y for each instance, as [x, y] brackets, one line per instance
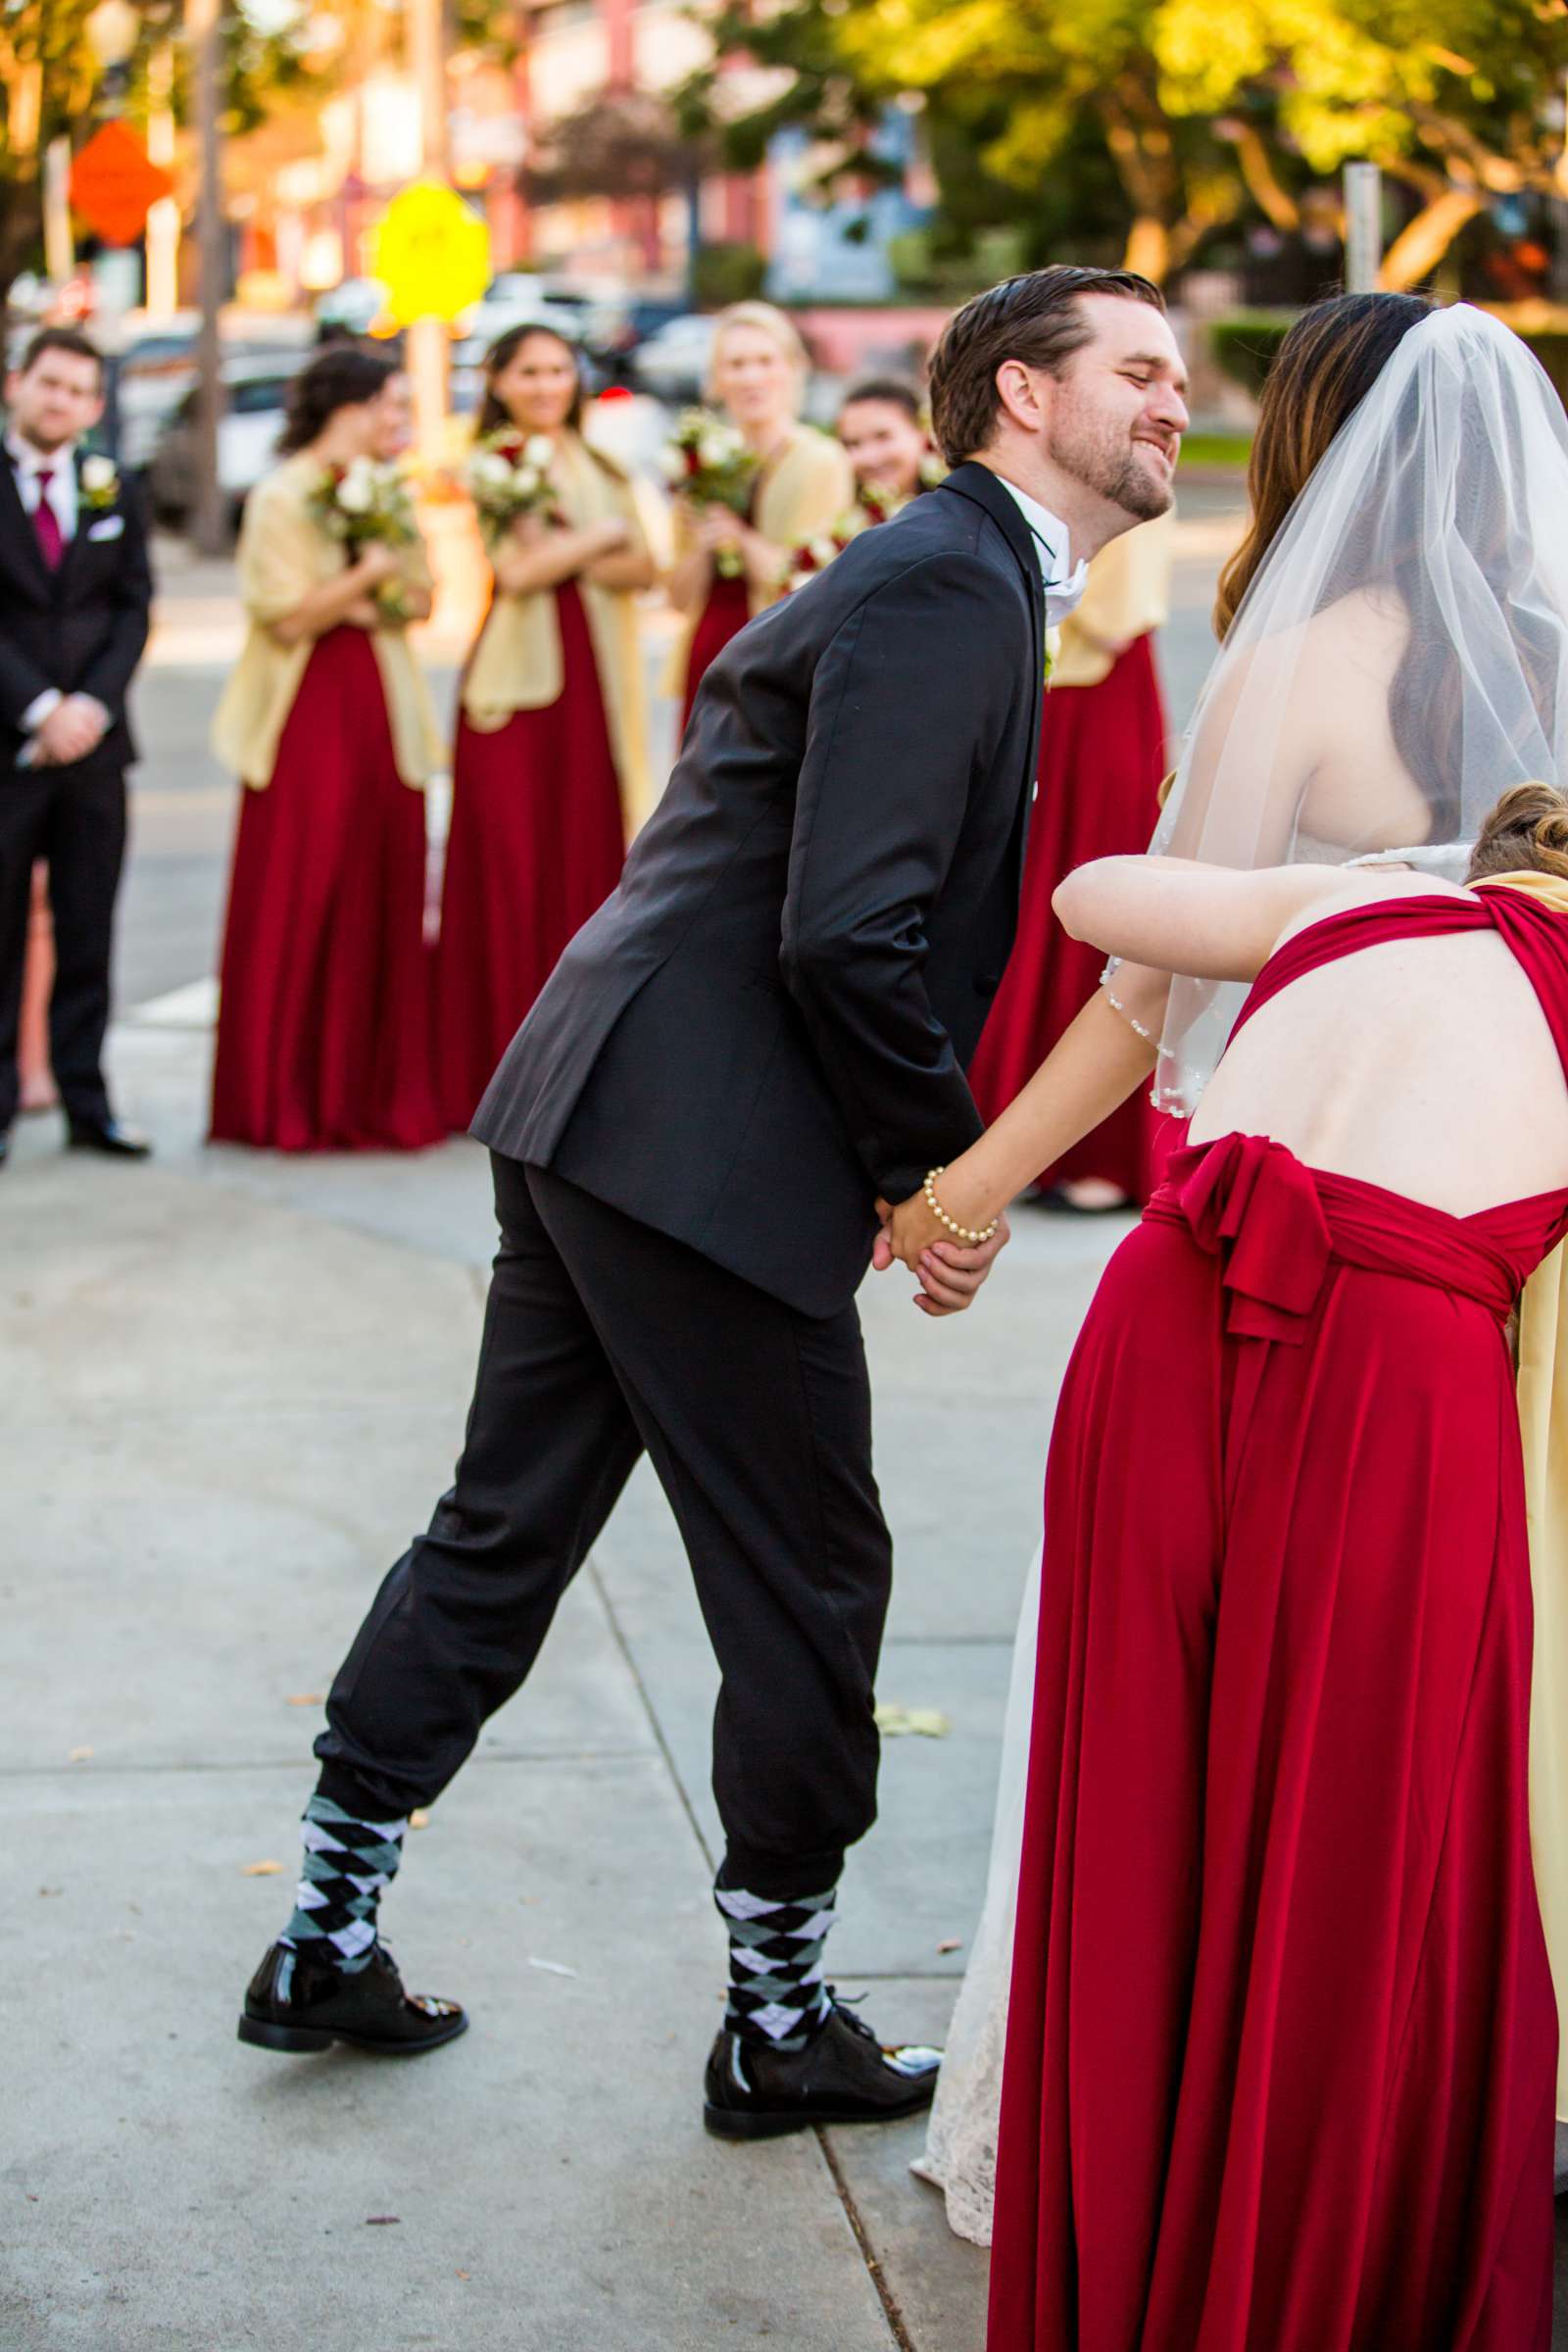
[1252, 1204]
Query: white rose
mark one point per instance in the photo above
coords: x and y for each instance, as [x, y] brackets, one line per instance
[538, 451]
[98, 474]
[356, 492]
[490, 469]
[672, 464]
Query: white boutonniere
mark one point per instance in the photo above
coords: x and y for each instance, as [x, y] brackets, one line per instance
[100, 483]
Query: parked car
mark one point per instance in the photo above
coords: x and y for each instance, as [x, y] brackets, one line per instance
[619, 322]
[517, 297]
[254, 393]
[157, 367]
[672, 364]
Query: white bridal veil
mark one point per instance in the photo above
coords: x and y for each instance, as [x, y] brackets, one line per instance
[1401, 657]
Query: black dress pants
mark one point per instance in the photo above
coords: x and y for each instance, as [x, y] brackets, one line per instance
[603, 1338]
[74, 818]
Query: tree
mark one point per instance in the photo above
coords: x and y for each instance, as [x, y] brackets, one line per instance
[1204, 115]
[622, 143]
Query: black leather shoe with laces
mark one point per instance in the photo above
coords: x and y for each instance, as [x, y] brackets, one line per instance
[298, 2004]
[843, 2076]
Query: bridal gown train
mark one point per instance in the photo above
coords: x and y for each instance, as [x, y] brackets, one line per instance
[1280, 2056]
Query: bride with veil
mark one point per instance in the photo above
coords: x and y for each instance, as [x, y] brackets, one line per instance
[1394, 657]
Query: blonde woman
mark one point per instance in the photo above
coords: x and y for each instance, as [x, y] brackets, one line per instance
[324, 1030]
[549, 758]
[758, 376]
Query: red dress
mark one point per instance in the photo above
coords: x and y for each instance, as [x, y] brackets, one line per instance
[726, 613]
[1280, 2052]
[323, 1025]
[1102, 757]
[536, 845]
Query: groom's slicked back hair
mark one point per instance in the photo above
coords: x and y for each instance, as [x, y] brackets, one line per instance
[1038, 319]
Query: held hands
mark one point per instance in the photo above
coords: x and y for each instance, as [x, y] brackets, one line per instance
[379, 563]
[717, 528]
[950, 1272]
[73, 729]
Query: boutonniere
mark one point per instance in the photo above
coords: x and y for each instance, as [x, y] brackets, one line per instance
[100, 483]
[1053, 648]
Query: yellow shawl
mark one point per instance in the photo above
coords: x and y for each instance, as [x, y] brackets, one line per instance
[284, 553]
[517, 664]
[803, 490]
[1126, 595]
[1543, 1428]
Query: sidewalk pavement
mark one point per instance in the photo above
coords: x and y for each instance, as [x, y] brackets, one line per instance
[237, 1384]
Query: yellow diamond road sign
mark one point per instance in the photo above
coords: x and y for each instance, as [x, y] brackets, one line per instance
[432, 254]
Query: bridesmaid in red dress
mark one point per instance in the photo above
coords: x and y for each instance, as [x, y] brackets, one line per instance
[323, 1027]
[549, 774]
[1282, 2041]
[1101, 757]
[802, 485]
[1282, 2035]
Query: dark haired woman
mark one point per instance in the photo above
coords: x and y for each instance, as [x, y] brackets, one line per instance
[550, 770]
[324, 1030]
[882, 432]
[1102, 757]
[802, 485]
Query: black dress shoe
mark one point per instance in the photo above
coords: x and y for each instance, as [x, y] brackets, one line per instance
[297, 2004]
[108, 1134]
[843, 2076]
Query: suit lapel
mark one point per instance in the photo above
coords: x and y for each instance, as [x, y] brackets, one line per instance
[16, 524]
[984, 489]
[79, 537]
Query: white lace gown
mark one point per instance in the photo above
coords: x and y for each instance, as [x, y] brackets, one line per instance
[960, 2147]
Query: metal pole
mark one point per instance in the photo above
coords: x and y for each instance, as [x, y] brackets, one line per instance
[1364, 227]
[203, 28]
[428, 340]
[60, 254]
[162, 221]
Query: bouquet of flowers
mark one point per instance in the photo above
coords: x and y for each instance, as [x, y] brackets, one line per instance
[711, 463]
[812, 555]
[509, 475]
[369, 500]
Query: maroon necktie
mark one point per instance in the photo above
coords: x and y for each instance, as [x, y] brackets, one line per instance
[46, 522]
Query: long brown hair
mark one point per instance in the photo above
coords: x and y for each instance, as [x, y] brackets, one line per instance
[1323, 371]
[493, 412]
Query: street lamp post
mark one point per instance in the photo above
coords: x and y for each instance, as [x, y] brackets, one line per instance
[428, 338]
[112, 30]
[204, 30]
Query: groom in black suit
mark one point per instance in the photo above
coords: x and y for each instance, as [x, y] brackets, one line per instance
[74, 596]
[762, 1032]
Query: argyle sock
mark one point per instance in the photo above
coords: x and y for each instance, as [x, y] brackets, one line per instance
[349, 1865]
[776, 1960]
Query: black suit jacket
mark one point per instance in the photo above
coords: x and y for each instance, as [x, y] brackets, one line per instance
[82, 627]
[768, 1022]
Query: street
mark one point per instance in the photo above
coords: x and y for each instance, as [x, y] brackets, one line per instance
[237, 1384]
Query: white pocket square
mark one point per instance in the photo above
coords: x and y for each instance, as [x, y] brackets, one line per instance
[109, 528]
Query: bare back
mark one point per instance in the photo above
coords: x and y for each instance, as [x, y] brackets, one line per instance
[1424, 1065]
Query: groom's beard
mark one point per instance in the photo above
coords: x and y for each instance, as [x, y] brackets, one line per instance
[1105, 461]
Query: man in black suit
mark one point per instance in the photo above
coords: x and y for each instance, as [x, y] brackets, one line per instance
[74, 596]
[761, 1032]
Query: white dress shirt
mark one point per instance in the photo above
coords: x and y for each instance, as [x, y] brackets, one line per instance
[1065, 580]
[30, 466]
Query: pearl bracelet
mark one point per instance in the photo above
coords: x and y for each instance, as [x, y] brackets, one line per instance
[963, 1232]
